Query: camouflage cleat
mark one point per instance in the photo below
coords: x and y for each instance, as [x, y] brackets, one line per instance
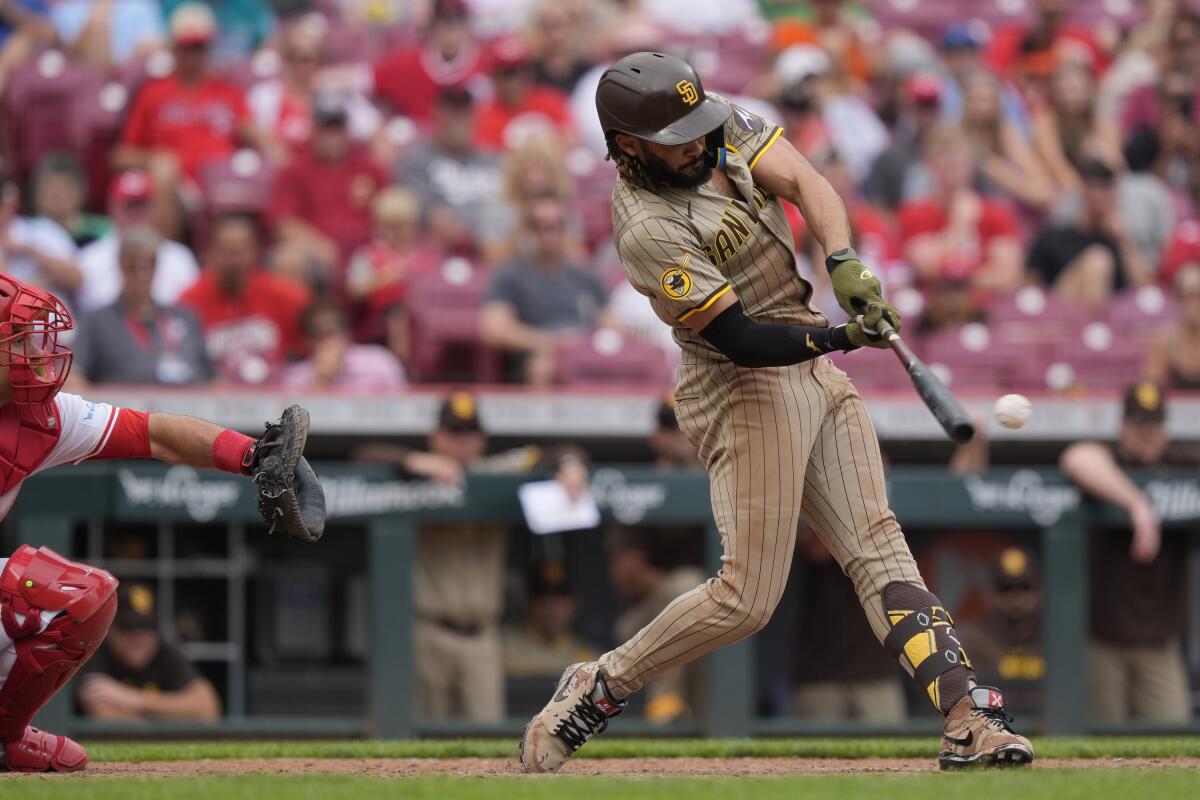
[977, 733]
[573, 716]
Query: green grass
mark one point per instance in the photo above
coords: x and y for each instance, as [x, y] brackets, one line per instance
[919, 747]
[1027, 785]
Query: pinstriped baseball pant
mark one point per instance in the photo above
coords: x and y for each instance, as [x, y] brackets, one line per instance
[779, 443]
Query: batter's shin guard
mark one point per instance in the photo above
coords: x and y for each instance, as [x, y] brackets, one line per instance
[85, 598]
[923, 638]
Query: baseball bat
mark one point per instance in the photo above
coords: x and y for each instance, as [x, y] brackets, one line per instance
[945, 406]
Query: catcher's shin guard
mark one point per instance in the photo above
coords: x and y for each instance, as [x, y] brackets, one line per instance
[923, 637]
[37, 581]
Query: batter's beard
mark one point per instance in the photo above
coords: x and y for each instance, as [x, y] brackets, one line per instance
[658, 172]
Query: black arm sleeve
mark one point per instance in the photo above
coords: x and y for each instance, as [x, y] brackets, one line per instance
[753, 344]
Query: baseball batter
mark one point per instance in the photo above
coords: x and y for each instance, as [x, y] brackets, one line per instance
[54, 613]
[700, 226]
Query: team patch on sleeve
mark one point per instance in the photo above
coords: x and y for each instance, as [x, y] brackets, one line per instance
[675, 282]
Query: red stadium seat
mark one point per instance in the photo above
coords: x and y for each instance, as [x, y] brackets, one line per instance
[240, 183]
[43, 108]
[1102, 357]
[1140, 312]
[606, 356]
[971, 358]
[872, 370]
[102, 114]
[1032, 317]
[444, 323]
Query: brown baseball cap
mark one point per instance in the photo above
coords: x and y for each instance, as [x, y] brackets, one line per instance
[136, 608]
[460, 414]
[1145, 403]
[1014, 569]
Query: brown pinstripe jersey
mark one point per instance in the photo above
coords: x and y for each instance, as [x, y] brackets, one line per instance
[684, 248]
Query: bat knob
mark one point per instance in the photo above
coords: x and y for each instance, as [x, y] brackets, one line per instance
[963, 432]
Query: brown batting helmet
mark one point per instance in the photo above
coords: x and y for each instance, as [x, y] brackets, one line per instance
[659, 98]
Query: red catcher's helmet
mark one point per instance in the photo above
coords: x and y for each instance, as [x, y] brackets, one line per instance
[30, 321]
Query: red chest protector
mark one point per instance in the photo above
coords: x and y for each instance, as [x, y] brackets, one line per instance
[27, 435]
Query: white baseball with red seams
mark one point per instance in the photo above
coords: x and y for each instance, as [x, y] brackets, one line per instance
[1013, 410]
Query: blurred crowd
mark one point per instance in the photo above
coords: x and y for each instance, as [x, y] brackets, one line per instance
[363, 193]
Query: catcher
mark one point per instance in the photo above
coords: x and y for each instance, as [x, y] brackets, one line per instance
[53, 612]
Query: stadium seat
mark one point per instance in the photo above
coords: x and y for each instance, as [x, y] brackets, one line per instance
[606, 356]
[872, 370]
[240, 183]
[444, 322]
[102, 115]
[1101, 356]
[1033, 316]
[1140, 312]
[44, 109]
[971, 358]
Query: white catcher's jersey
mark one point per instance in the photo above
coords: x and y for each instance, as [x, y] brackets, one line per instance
[86, 428]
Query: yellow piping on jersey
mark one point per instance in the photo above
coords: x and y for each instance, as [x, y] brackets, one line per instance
[764, 148]
[707, 303]
[732, 149]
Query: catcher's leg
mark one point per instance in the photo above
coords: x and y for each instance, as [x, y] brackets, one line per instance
[845, 499]
[754, 441]
[55, 613]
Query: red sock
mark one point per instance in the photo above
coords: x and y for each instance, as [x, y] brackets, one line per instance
[231, 452]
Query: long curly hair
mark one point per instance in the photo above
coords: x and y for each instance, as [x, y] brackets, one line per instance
[628, 167]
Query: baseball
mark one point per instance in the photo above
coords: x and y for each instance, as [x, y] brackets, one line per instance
[1013, 410]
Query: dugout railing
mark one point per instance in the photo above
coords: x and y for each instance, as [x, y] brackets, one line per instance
[54, 506]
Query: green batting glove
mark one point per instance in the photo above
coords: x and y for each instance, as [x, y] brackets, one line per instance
[861, 335]
[877, 310]
[855, 286]
[863, 330]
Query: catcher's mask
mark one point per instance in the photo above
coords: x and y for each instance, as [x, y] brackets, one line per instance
[659, 98]
[30, 321]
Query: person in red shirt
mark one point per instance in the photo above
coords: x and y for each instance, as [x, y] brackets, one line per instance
[521, 107]
[410, 79]
[957, 234]
[188, 118]
[251, 317]
[379, 272]
[321, 202]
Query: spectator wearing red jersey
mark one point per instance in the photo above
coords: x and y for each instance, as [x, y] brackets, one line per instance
[410, 79]
[520, 108]
[378, 274]
[956, 233]
[190, 117]
[321, 201]
[251, 318]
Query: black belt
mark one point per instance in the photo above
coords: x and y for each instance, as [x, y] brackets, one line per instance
[461, 628]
